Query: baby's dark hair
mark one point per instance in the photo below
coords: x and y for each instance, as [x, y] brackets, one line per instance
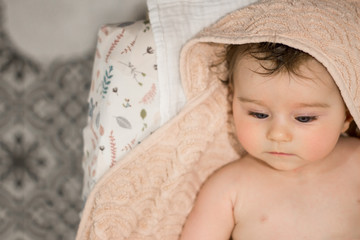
[282, 58]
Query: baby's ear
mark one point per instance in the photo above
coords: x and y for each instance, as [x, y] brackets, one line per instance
[348, 120]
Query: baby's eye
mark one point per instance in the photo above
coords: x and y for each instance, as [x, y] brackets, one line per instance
[258, 115]
[306, 119]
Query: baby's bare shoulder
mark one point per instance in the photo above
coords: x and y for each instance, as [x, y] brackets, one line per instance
[235, 168]
[234, 174]
[228, 174]
[229, 171]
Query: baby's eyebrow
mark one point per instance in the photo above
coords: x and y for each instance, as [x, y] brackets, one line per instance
[248, 100]
[314, 105]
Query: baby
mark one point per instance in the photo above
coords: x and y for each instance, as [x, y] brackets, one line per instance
[300, 177]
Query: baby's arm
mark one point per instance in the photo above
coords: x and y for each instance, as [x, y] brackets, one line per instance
[212, 215]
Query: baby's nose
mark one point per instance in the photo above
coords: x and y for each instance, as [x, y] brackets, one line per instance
[279, 132]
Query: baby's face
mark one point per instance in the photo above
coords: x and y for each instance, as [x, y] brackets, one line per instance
[286, 120]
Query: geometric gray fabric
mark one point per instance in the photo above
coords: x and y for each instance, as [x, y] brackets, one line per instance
[42, 113]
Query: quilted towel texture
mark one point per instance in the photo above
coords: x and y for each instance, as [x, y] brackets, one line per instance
[149, 194]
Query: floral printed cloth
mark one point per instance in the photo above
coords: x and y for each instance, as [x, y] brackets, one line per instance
[123, 99]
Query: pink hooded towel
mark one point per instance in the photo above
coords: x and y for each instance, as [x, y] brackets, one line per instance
[149, 194]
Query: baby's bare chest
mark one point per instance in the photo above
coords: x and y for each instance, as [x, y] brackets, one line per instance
[322, 210]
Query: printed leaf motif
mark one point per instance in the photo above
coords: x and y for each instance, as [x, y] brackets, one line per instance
[147, 26]
[129, 47]
[126, 103]
[144, 127]
[143, 114]
[113, 149]
[129, 146]
[106, 81]
[101, 130]
[97, 120]
[91, 107]
[108, 76]
[114, 44]
[123, 122]
[134, 72]
[150, 95]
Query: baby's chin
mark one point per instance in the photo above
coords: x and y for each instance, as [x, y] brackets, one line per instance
[283, 167]
[283, 164]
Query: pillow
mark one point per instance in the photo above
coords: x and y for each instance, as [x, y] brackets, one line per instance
[129, 98]
[123, 99]
[173, 23]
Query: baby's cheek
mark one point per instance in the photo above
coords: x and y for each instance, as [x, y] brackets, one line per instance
[248, 136]
[319, 145]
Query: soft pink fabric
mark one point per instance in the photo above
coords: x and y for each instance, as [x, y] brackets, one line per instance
[149, 194]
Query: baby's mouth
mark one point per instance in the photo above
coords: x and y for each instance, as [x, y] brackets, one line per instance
[280, 154]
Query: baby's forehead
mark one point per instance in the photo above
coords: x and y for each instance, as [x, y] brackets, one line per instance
[308, 69]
